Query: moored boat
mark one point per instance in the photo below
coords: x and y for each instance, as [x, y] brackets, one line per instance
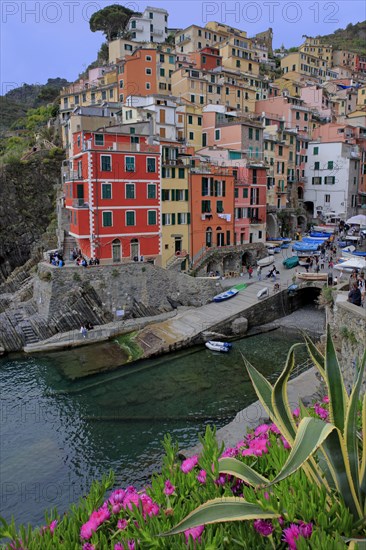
[225, 295]
[264, 262]
[312, 276]
[215, 345]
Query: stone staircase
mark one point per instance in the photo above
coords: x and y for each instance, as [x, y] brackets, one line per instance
[26, 328]
[69, 245]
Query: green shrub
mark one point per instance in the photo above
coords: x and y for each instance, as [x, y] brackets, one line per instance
[76, 277]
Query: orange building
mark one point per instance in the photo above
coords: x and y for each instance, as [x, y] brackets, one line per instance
[207, 58]
[137, 74]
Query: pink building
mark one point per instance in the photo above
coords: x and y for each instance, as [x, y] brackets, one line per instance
[293, 110]
[317, 97]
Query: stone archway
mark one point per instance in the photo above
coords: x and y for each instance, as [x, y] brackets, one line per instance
[301, 223]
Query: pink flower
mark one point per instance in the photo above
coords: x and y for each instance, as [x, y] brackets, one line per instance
[292, 533]
[131, 544]
[259, 446]
[247, 452]
[149, 507]
[266, 495]
[189, 464]
[122, 524]
[221, 480]
[117, 496]
[290, 536]
[195, 533]
[87, 530]
[263, 527]
[230, 452]
[286, 444]
[202, 476]
[325, 399]
[321, 412]
[274, 429]
[168, 488]
[306, 529]
[96, 518]
[262, 429]
[88, 546]
[119, 546]
[296, 412]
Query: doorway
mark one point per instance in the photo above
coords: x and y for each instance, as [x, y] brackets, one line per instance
[116, 251]
[135, 253]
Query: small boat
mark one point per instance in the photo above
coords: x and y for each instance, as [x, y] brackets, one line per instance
[215, 345]
[312, 276]
[291, 262]
[263, 293]
[352, 263]
[225, 295]
[268, 260]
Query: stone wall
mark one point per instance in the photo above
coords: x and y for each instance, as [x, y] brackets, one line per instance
[348, 327]
[53, 300]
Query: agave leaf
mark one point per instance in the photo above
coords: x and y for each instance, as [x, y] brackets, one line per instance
[280, 403]
[356, 544]
[262, 388]
[240, 470]
[350, 431]
[338, 399]
[363, 459]
[335, 451]
[316, 356]
[222, 509]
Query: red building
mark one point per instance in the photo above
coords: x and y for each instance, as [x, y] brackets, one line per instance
[207, 58]
[212, 207]
[112, 193]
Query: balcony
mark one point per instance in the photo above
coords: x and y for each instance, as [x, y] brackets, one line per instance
[241, 182]
[281, 191]
[70, 175]
[157, 32]
[255, 221]
[80, 203]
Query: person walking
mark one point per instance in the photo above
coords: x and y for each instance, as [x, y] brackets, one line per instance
[259, 273]
[250, 271]
[83, 331]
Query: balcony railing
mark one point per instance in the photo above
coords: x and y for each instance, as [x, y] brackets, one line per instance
[71, 175]
[255, 221]
[80, 203]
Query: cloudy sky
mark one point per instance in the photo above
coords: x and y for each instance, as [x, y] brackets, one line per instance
[51, 38]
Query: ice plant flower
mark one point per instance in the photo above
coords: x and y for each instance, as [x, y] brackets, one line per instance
[168, 488]
[149, 507]
[261, 429]
[321, 412]
[195, 533]
[202, 476]
[274, 429]
[96, 519]
[88, 546]
[285, 443]
[122, 524]
[188, 464]
[292, 533]
[296, 412]
[229, 452]
[263, 527]
[325, 399]
[119, 546]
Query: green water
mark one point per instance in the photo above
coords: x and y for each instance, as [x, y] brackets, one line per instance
[58, 433]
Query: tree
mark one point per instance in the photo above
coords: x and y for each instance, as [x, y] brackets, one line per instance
[111, 20]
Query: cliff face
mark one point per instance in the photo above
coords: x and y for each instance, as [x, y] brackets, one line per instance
[27, 207]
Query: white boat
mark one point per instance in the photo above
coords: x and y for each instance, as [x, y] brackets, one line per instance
[312, 276]
[351, 264]
[264, 262]
[215, 345]
[225, 295]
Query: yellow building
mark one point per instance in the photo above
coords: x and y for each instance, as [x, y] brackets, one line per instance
[304, 64]
[195, 38]
[237, 54]
[293, 86]
[221, 28]
[361, 96]
[175, 211]
[276, 156]
[119, 48]
[189, 125]
[314, 47]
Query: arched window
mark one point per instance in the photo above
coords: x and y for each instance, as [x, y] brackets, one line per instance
[116, 251]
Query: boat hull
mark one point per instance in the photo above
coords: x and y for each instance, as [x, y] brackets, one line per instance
[223, 347]
[225, 295]
[312, 276]
[264, 262]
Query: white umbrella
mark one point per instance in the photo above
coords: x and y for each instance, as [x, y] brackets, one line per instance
[357, 263]
[360, 219]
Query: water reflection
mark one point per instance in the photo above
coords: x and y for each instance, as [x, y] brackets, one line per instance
[59, 433]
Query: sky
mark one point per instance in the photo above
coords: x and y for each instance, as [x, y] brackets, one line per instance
[44, 39]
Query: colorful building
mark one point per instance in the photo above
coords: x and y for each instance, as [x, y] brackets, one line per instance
[112, 192]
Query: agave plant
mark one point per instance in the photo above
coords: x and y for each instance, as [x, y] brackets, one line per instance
[331, 453]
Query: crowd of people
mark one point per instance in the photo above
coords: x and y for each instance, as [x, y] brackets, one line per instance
[357, 288]
[85, 328]
[79, 259]
[56, 259]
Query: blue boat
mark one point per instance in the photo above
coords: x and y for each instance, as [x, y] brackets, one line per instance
[225, 295]
[322, 234]
[305, 247]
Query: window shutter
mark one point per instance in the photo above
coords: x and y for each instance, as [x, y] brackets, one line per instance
[186, 194]
[224, 188]
[163, 219]
[173, 219]
[188, 218]
[173, 194]
[179, 218]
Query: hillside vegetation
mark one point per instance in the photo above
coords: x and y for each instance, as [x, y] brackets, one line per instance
[352, 38]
